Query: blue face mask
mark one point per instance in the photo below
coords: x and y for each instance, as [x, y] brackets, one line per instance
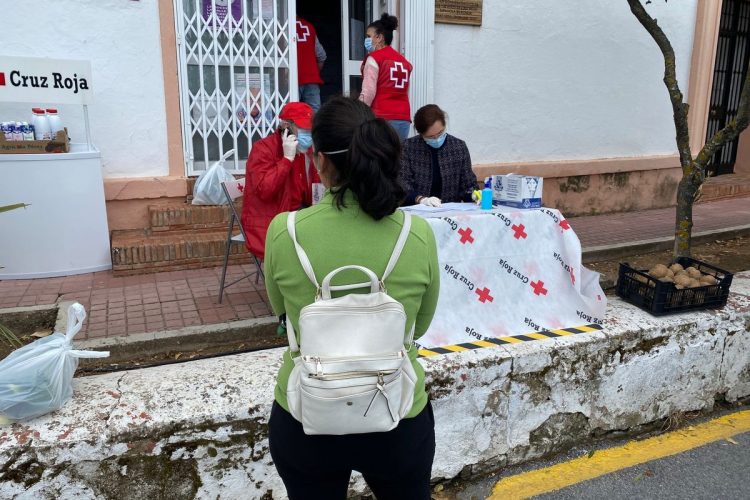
[436, 143]
[304, 140]
[368, 44]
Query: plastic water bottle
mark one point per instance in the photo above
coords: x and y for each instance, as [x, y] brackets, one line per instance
[41, 125]
[486, 199]
[55, 125]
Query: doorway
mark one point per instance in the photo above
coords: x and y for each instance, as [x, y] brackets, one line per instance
[341, 26]
[732, 56]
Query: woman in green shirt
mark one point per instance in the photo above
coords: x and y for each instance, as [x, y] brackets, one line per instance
[356, 223]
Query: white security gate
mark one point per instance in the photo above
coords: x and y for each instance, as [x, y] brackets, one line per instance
[236, 62]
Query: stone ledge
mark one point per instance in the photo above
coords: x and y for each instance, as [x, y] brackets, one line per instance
[139, 188]
[199, 428]
[568, 168]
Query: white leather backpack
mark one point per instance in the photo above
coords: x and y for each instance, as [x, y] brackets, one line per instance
[352, 372]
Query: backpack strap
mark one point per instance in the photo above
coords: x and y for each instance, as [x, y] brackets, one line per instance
[399, 246]
[304, 260]
[307, 266]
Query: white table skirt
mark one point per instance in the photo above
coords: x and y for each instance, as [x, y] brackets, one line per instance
[509, 272]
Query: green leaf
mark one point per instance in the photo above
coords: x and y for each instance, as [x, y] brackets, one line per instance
[591, 453]
[9, 337]
[8, 208]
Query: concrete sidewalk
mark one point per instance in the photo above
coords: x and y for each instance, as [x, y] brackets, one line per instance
[121, 306]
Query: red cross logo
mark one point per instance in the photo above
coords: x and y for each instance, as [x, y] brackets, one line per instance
[466, 235]
[240, 187]
[539, 288]
[399, 75]
[565, 224]
[572, 276]
[302, 32]
[2, 79]
[484, 295]
[519, 231]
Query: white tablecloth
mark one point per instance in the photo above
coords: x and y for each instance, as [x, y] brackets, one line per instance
[509, 272]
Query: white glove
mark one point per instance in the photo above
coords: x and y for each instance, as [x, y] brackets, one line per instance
[289, 143]
[431, 201]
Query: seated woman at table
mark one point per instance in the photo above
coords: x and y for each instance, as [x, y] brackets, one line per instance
[435, 166]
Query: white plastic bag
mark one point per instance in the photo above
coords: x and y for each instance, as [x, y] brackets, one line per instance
[207, 189]
[37, 378]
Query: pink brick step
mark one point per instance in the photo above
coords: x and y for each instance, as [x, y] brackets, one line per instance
[726, 186]
[146, 251]
[186, 216]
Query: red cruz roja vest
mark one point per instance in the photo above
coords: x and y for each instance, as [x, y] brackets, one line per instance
[307, 62]
[392, 95]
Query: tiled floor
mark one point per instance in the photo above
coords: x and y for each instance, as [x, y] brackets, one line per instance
[137, 304]
[170, 300]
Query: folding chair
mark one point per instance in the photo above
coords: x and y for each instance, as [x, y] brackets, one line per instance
[233, 190]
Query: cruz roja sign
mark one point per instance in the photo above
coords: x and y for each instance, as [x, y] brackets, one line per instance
[41, 80]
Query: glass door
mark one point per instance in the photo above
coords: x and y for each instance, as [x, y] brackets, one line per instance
[355, 16]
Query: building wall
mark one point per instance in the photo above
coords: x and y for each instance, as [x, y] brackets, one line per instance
[541, 81]
[121, 39]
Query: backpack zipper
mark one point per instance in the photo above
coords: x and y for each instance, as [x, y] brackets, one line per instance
[381, 307]
[338, 359]
[355, 374]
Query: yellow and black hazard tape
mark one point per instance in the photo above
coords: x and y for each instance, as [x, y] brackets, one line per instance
[516, 339]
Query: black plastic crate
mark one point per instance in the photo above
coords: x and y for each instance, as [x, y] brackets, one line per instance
[659, 297]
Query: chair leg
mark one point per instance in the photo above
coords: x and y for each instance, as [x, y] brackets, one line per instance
[226, 261]
[259, 271]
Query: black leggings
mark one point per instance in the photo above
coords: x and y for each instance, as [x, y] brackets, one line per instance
[395, 464]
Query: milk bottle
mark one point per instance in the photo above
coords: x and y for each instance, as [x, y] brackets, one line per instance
[18, 132]
[55, 125]
[41, 125]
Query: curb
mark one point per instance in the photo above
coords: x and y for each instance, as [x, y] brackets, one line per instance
[617, 251]
[182, 333]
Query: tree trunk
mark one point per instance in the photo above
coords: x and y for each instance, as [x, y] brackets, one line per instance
[684, 221]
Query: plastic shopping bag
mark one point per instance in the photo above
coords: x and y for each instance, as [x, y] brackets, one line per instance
[207, 190]
[38, 378]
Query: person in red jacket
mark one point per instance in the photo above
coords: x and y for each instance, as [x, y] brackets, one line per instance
[279, 174]
[310, 58]
[385, 76]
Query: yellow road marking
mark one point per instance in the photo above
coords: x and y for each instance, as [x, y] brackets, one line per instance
[603, 462]
[511, 340]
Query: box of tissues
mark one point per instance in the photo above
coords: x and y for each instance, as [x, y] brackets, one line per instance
[519, 191]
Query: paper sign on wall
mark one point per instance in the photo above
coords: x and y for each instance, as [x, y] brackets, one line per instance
[42, 80]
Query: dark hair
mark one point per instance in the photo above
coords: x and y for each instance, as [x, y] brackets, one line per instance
[426, 116]
[385, 26]
[369, 167]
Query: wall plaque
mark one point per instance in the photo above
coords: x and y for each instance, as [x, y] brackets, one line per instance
[459, 12]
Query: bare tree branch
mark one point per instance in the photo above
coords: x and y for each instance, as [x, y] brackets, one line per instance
[679, 108]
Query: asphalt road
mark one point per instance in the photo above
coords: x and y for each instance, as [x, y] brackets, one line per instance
[709, 468]
[717, 470]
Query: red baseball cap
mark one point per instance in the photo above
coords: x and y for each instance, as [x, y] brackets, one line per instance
[299, 113]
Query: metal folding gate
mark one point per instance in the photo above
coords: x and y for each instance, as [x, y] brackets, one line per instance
[236, 62]
[732, 55]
